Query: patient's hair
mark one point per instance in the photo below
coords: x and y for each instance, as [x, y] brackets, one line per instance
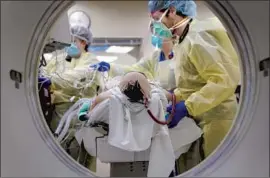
[134, 93]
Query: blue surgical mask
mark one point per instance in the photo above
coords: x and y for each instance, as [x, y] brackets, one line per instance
[159, 29]
[159, 33]
[156, 41]
[73, 51]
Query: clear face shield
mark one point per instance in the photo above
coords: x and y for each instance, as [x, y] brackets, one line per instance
[79, 18]
[76, 19]
[161, 34]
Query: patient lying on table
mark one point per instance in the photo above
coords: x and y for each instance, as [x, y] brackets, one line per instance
[132, 110]
[133, 87]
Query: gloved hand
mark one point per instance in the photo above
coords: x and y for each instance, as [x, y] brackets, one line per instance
[82, 116]
[163, 58]
[102, 66]
[46, 82]
[167, 116]
[180, 112]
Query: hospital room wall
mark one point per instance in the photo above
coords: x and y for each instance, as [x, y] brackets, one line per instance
[111, 19]
[124, 59]
[115, 19]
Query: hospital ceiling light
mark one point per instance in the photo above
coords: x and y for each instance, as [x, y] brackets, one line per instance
[119, 49]
[107, 58]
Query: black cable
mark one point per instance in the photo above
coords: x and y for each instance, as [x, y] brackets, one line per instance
[185, 32]
[68, 58]
[43, 61]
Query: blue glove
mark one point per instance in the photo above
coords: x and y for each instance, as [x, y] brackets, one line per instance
[44, 81]
[180, 112]
[163, 58]
[102, 66]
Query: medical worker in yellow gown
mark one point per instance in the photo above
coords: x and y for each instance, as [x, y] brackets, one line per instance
[72, 80]
[206, 71]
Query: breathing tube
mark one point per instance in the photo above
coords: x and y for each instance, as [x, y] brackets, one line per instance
[64, 120]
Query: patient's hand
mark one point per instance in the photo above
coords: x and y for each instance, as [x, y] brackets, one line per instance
[101, 97]
[82, 116]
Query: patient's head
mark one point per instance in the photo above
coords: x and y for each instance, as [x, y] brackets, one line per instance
[135, 86]
[133, 92]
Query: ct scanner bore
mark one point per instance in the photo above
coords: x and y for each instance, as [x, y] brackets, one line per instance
[27, 146]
